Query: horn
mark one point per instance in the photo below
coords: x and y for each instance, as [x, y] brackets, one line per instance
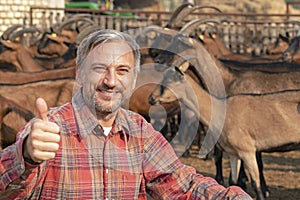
[10, 30]
[19, 33]
[190, 26]
[86, 32]
[158, 29]
[176, 13]
[179, 61]
[72, 21]
[203, 7]
[183, 15]
[81, 25]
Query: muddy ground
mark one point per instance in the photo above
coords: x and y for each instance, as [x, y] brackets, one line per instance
[282, 172]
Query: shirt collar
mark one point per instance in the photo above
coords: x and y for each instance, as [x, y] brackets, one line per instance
[87, 122]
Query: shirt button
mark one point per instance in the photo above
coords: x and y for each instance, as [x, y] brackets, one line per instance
[106, 171]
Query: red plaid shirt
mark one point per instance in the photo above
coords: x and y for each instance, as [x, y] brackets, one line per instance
[132, 160]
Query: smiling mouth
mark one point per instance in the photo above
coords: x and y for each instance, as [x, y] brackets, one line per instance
[107, 94]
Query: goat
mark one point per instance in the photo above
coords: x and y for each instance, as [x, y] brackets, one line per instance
[7, 106]
[246, 62]
[55, 92]
[258, 120]
[159, 116]
[291, 54]
[52, 44]
[215, 73]
[17, 55]
[279, 46]
[13, 78]
[214, 45]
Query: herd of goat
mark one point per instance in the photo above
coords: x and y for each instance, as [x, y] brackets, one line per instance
[245, 104]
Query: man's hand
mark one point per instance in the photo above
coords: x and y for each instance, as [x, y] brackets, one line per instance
[43, 140]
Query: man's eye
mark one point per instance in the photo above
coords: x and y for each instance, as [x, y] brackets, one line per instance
[123, 70]
[99, 69]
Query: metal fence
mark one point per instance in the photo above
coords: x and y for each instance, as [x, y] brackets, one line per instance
[238, 31]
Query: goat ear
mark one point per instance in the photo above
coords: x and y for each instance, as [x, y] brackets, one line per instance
[183, 67]
[54, 37]
[9, 44]
[213, 35]
[200, 36]
[187, 41]
[178, 69]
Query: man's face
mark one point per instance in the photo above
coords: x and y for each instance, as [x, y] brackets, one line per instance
[108, 76]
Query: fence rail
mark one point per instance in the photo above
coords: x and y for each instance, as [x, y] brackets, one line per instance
[238, 31]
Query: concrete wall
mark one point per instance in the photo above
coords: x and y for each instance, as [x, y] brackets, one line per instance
[17, 11]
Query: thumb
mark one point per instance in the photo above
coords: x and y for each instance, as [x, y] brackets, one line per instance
[42, 108]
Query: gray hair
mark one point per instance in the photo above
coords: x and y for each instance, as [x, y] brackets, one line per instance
[101, 36]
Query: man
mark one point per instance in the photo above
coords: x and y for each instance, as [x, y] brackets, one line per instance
[91, 148]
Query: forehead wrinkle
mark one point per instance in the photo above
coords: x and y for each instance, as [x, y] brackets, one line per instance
[112, 54]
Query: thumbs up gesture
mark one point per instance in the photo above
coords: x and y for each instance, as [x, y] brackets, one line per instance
[43, 140]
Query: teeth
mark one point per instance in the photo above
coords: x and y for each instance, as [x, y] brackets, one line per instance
[107, 92]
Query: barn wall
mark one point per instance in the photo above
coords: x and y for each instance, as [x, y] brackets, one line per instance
[17, 11]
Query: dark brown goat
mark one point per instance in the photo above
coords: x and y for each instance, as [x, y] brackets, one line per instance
[7, 134]
[55, 92]
[18, 78]
[251, 123]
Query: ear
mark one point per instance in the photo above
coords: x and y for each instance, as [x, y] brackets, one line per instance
[183, 67]
[200, 36]
[55, 38]
[186, 40]
[77, 78]
[213, 35]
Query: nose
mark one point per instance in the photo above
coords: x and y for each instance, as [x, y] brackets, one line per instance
[153, 52]
[110, 78]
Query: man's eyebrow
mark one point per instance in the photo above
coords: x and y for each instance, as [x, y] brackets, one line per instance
[125, 65]
[99, 63]
[107, 65]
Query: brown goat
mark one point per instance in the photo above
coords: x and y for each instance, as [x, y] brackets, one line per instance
[215, 74]
[17, 55]
[250, 123]
[55, 92]
[17, 78]
[7, 106]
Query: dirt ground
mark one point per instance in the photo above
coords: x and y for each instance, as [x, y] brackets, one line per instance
[281, 170]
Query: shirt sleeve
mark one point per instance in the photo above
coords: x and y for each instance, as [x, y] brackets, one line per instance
[17, 176]
[168, 178]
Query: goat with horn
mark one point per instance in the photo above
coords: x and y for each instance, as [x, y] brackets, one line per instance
[259, 120]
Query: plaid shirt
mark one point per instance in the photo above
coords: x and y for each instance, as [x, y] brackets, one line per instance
[132, 160]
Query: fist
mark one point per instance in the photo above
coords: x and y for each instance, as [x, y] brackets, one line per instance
[43, 140]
